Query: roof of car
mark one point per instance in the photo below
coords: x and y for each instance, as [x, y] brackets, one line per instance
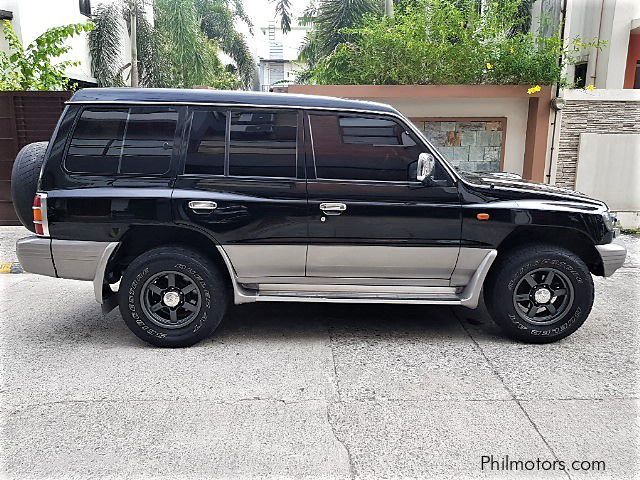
[194, 96]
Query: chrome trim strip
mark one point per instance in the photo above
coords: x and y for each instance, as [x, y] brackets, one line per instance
[399, 291]
[34, 254]
[98, 279]
[613, 256]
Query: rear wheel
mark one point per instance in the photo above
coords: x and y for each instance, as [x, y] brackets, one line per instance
[172, 297]
[539, 293]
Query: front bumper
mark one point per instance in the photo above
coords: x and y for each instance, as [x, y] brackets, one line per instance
[613, 256]
[78, 260]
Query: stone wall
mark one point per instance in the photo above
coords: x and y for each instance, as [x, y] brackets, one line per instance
[474, 146]
[591, 116]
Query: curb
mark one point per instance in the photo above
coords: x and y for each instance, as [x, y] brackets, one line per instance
[11, 267]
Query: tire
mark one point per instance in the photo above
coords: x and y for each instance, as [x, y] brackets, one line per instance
[526, 307]
[24, 180]
[146, 284]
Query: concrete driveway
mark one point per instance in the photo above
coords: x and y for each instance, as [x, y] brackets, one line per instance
[323, 391]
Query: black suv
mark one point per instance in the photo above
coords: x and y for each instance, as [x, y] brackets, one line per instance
[190, 199]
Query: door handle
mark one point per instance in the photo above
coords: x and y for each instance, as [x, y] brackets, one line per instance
[202, 206]
[330, 208]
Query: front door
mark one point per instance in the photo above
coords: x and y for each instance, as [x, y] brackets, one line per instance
[369, 218]
[243, 182]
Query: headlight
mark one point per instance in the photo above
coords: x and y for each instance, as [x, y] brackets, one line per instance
[611, 223]
[608, 220]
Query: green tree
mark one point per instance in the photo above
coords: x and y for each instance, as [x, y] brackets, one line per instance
[33, 67]
[330, 20]
[178, 49]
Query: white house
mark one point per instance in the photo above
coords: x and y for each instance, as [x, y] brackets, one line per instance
[31, 18]
[596, 136]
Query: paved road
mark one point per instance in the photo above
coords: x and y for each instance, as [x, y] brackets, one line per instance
[324, 391]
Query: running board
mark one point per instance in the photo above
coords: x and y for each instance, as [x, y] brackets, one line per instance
[467, 296]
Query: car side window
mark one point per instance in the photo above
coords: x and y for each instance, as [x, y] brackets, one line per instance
[358, 147]
[263, 143]
[96, 144]
[206, 145]
[128, 141]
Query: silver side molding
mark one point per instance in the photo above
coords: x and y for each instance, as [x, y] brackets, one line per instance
[466, 296]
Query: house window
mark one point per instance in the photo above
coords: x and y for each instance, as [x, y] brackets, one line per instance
[636, 83]
[85, 7]
[580, 75]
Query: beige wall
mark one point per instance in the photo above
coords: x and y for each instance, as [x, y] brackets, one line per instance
[514, 109]
[609, 169]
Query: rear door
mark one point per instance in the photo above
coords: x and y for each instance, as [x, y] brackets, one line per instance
[243, 183]
[369, 216]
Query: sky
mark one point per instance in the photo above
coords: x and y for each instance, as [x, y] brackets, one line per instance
[261, 11]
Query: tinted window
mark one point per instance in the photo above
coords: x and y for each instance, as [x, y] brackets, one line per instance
[148, 140]
[136, 140]
[205, 150]
[96, 144]
[363, 148]
[263, 143]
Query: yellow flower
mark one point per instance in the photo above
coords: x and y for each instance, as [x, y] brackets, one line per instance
[533, 90]
[489, 66]
[591, 87]
[512, 50]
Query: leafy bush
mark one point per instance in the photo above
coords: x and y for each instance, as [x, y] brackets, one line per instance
[447, 42]
[32, 68]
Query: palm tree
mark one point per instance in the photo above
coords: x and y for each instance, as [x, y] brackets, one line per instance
[178, 49]
[329, 18]
[283, 10]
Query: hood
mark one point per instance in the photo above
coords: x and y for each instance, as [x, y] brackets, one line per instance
[525, 188]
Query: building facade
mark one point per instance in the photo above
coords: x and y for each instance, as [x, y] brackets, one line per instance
[277, 54]
[595, 138]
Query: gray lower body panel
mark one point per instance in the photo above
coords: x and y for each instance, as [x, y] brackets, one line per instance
[250, 261]
[373, 261]
[77, 260]
[34, 254]
[613, 256]
[359, 289]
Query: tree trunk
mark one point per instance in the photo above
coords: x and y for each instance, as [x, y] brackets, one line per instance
[134, 50]
[388, 8]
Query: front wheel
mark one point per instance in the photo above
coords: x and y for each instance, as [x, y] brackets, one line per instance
[539, 293]
[172, 297]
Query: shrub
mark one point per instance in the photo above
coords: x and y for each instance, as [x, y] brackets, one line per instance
[447, 42]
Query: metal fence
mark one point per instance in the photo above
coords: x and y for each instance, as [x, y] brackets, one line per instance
[25, 117]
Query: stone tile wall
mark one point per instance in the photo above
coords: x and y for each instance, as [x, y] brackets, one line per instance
[590, 116]
[474, 146]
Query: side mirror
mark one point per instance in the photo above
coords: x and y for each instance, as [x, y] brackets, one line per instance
[426, 164]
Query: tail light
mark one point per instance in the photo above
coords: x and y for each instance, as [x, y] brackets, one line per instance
[40, 214]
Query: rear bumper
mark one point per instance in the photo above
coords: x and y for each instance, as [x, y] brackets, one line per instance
[613, 256]
[78, 260]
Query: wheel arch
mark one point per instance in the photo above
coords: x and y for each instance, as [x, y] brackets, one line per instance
[141, 238]
[571, 239]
